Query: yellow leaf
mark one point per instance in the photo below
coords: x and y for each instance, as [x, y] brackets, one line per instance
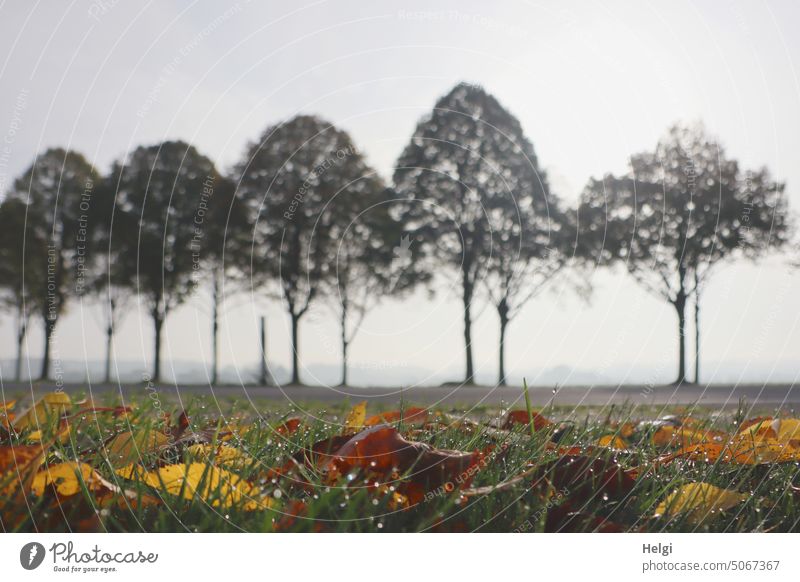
[356, 417]
[612, 441]
[698, 501]
[45, 412]
[62, 435]
[66, 477]
[222, 455]
[685, 436]
[786, 429]
[219, 487]
[6, 416]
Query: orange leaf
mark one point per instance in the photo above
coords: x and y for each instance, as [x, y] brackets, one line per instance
[382, 451]
[521, 417]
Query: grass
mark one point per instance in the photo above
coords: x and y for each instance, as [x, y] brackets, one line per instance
[352, 505]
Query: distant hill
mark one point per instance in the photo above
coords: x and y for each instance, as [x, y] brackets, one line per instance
[373, 375]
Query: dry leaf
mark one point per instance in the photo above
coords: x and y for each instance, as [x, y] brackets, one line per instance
[522, 417]
[411, 416]
[66, 479]
[355, 418]
[216, 486]
[129, 447]
[45, 413]
[222, 455]
[383, 452]
[612, 442]
[698, 501]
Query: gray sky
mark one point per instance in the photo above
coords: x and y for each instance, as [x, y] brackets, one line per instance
[591, 83]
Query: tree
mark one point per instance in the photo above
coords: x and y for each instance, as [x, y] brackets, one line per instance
[110, 274]
[164, 189]
[464, 172]
[20, 273]
[289, 180]
[533, 241]
[56, 190]
[680, 212]
[373, 258]
[225, 245]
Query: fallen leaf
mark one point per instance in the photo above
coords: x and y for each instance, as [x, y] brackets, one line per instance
[698, 501]
[382, 451]
[355, 418]
[131, 446]
[288, 427]
[45, 413]
[411, 416]
[787, 430]
[612, 442]
[515, 417]
[684, 436]
[18, 464]
[583, 478]
[66, 479]
[6, 414]
[222, 454]
[216, 486]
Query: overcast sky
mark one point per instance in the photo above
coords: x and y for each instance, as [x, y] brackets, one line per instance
[591, 82]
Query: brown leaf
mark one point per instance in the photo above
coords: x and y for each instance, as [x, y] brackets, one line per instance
[515, 417]
[382, 451]
[583, 478]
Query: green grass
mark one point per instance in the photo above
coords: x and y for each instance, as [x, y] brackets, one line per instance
[347, 507]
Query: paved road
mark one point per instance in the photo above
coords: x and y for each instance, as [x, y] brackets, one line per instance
[712, 395]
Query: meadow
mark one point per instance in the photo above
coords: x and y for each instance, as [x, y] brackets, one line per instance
[206, 465]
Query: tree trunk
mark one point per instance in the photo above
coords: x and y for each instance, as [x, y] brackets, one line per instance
[215, 330]
[22, 329]
[158, 322]
[502, 311]
[697, 335]
[295, 346]
[467, 288]
[263, 339]
[109, 341]
[49, 328]
[680, 308]
[344, 363]
[112, 310]
[345, 343]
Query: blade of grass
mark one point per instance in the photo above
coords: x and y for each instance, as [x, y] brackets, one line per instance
[528, 406]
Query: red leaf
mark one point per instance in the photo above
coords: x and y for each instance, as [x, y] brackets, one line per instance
[288, 427]
[382, 451]
[521, 417]
[583, 478]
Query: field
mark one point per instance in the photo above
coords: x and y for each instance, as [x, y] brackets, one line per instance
[208, 465]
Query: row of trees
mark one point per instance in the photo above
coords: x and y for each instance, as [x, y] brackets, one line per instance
[303, 218]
